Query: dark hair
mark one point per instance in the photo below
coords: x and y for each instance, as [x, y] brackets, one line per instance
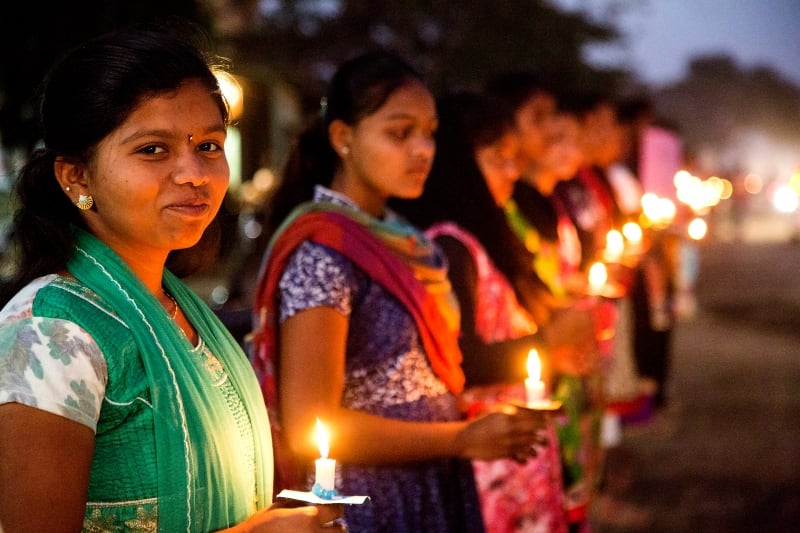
[632, 109]
[456, 189]
[517, 86]
[581, 103]
[83, 98]
[359, 88]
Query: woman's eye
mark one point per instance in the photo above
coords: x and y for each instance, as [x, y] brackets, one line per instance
[401, 134]
[151, 149]
[209, 147]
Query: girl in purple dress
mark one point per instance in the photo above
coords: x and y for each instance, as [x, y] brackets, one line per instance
[355, 322]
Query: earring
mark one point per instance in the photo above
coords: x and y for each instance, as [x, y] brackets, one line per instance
[67, 188]
[345, 150]
[84, 202]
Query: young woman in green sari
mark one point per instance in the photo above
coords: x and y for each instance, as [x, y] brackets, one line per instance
[125, 405]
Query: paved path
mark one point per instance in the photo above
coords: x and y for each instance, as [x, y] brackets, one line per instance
[732, 462]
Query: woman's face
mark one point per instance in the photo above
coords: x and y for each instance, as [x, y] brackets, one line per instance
[602, 136]
[563, 155]
[159, 179]
[534, 120]
[389, 153]
[499, 163]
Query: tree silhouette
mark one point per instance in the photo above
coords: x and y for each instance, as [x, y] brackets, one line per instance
[39, 32]
[719, 105]
[451, 43]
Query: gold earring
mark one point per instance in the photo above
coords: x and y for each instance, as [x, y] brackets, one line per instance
[84, 202]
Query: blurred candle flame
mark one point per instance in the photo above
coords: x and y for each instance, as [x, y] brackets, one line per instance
[632, 232]
[614, 244]
[323, 440]
[597, 277]
[534, 365]
[697, 229]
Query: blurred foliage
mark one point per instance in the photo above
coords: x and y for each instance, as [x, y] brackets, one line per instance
[718, 101]
[33, 34]
[302, 41]
[454, 44]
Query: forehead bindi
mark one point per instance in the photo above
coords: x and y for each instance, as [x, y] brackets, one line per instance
[189, 111]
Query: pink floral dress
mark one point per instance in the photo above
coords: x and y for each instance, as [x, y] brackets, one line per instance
[514, 497]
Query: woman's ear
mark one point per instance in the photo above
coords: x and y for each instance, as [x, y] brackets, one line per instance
[340, 135]
[71, 176]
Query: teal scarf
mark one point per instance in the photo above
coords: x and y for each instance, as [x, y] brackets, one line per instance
[200, 472]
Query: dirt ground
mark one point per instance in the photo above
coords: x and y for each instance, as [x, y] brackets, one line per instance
[727, 457]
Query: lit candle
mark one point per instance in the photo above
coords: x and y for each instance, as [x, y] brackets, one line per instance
[633, 233]
[615, 245]
[325, 468]
[534, 386]
[598, 276]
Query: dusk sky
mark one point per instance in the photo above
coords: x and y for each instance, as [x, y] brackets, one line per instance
[662, 35]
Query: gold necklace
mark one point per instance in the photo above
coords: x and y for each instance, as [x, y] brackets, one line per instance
[174, 313]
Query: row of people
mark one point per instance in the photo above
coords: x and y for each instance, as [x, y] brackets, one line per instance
[402, 289]
[366, 197]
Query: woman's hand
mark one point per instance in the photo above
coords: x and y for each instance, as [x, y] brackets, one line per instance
[570, 326]
[508, 432]
[576, 359]
[280, 518]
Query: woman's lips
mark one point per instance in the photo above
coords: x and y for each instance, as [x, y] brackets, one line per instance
[191, 207]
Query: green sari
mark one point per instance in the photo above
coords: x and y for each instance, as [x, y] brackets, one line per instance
[204, 480]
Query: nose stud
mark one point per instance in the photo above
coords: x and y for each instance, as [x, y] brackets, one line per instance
[191, 137]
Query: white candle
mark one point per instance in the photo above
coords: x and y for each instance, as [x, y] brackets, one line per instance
[325, 468]
[598, 276]
[534, 386]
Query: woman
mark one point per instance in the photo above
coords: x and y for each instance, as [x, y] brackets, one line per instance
[124, 403]
[355, 321]
[477, 155]
[538, 218]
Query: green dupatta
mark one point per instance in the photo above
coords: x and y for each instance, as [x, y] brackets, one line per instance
[201, 477]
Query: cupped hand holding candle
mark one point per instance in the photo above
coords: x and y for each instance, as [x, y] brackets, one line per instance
[324, 483]
[534, 386]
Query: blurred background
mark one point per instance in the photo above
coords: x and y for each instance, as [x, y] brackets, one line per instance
[714, 73]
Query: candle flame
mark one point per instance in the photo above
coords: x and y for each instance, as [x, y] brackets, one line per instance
[614, 243]
[597, 275]
[323, 440]
[534, 365]
[632, 232]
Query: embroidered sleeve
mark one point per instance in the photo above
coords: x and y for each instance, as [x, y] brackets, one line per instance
[316, 276]
[53, 365]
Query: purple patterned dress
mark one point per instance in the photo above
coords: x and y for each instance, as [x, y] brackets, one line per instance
[387, 374]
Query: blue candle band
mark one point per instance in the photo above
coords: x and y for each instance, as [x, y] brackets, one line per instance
[325, 494]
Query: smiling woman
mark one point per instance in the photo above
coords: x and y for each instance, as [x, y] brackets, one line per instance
[113, 369]
[170, 181]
